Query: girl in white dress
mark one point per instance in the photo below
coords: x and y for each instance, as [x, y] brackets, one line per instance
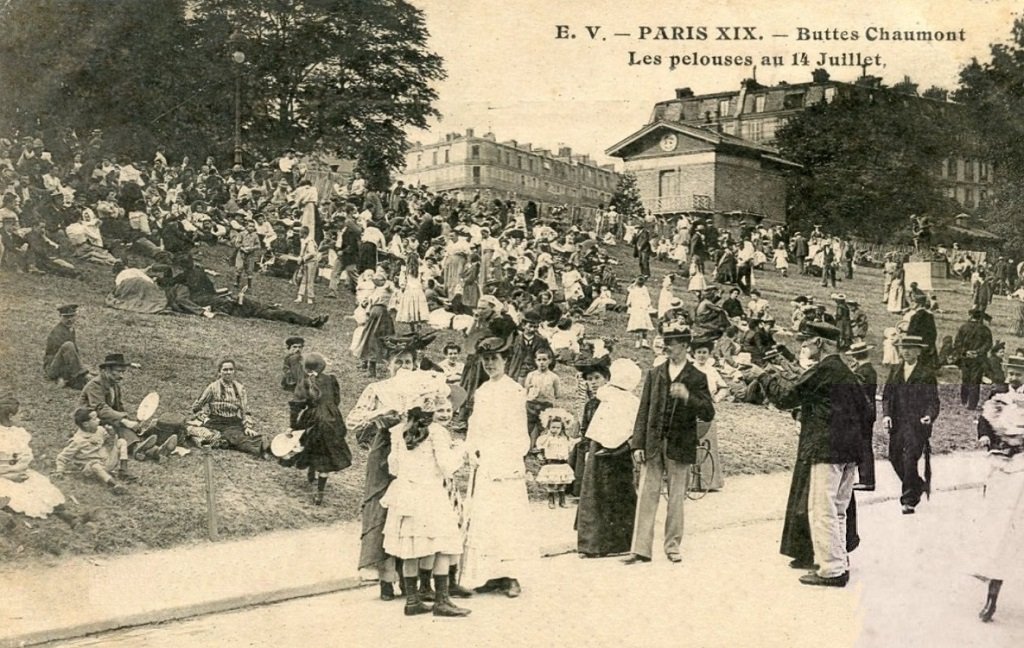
[23, 490]
[638, 308]
[412, 303]
[666, 295]
[422, 527]
[555, 444]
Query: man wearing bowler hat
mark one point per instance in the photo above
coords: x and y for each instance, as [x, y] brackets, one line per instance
[103, 394]
[910, 405]
[922, 324]
[970, 347]
[664, 442]
[61, 359]
[833, 410]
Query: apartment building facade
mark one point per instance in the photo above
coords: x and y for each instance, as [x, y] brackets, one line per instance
[511, 170]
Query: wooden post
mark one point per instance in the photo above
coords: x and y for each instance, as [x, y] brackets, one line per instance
[211, 496]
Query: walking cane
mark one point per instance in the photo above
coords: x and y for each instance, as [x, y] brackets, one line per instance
[928, 469]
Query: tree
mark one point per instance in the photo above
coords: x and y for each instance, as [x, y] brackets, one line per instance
[336, 76]
[869, 159]
[626, 198]
[993, 95]
[117, 66]
[346, 76]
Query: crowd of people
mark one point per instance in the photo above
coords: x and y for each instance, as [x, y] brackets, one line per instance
[520, 290]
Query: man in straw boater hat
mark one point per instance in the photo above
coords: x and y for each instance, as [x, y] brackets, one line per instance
[910, 405]
[664, 442]
[1001, 430]
[868, 378]
[971, 346]
[833, 411]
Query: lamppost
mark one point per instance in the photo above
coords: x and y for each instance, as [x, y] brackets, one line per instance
[238, 57]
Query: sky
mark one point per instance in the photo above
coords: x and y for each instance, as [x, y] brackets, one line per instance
[509, 73]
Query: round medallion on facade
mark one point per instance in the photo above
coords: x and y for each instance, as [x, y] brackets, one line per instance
[668, 142]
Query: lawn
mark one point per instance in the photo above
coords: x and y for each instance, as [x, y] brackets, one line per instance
[178, 356]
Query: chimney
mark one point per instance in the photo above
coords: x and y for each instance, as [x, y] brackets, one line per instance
[740, 101]
[469, 132]
[684, 93]
[820, 75]
[564, 151]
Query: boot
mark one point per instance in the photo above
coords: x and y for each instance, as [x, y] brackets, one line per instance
[426, 593]
[551, 500]
[989, 610]
[561, 499]
[454, 589]
[387, 591]
[413, 604]
[443, 607]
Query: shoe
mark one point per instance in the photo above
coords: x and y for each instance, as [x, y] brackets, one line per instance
[387, 591]
[126, 477]
[492, 585]
[318, 498]
[145, 445]
[908, 509]
[443, 606]
[454, 589]
[676, 558]
[168, 446]
[633, 559]
[826, 581]
[298, 300]
[413, 604]
[118, 489]
[988, 611]
[863, 487]
[800, 564]
[513, 590]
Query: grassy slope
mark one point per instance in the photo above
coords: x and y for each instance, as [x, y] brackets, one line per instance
[178, 354]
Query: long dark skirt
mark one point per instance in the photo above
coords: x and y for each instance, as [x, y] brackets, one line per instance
[604, 518]
[371, 551]
[796, 532]
[324, 446]
[379, 325]
[232, 432]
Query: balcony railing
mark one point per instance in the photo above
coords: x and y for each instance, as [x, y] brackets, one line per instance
[672, 204]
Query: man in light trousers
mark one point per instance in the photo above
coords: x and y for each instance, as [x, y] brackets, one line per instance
[664, 442]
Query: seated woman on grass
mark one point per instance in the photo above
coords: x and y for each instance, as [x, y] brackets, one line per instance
[224, 406]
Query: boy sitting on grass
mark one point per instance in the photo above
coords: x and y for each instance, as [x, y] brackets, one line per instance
[89, 453]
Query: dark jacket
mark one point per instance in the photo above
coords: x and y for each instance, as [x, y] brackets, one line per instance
[58, 336]
[868, 378]
[103, 396]
[906, 402]
[656, 407]
[833, 410]
[922, 323]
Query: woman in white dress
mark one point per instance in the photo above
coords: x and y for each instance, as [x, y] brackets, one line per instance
[1001, 537]
[666, 295]
[498, 510]
[638, 308]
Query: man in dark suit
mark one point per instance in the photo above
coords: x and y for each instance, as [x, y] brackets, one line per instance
[61, 359]
[970, 347]
[922, 324]
[832, 413]
[868, 378]
[910, 405]
[798, 246]
[664, 442]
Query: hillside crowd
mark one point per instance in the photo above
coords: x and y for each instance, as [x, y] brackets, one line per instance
[520, 289]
